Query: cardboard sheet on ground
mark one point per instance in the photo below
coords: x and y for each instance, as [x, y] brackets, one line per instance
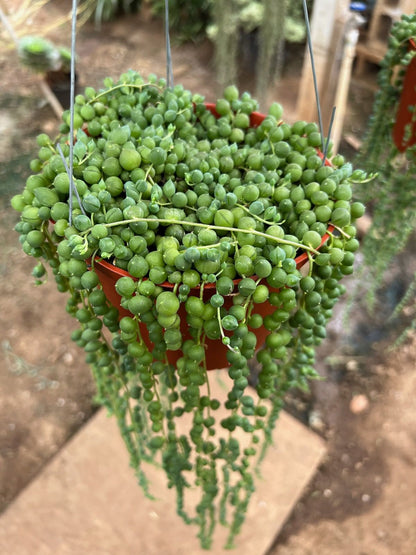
[87, 501]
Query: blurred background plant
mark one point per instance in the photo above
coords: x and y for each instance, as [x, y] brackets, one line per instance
[27, 31]
[25, 18]
[391, 197]
[249, 16]
[189, 18]
[41, 55]
[252, 31]
[101, 11]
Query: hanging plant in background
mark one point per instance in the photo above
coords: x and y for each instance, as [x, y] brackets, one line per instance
[295, 29]
[271, 37]
[227, 24]
[204, 216]
[389, 149]
[282, 22]
[270, 22]
[224, 33]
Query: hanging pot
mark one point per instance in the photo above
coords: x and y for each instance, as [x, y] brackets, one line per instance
[60, 84]
[404, 130]
[216, 352]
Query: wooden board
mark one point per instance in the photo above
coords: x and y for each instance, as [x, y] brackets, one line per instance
[86, 501]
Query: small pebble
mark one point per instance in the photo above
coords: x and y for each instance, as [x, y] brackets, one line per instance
[381, 534]
[68, 358]
[352, 365]
[80, 416]
[359, 404]
[364, 224]
[49, 127]
[316, 421]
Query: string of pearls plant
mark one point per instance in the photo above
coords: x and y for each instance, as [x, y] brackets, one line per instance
[206, 215]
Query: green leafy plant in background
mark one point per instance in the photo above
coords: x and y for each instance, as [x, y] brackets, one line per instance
[391, 196]
[207, 213]
[188, 18]
[106, 10]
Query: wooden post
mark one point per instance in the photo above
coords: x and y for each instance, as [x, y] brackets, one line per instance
[326, 14]
[341, 98]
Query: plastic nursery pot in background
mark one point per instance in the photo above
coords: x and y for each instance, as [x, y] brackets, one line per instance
[60, 83]
[404, 130]
[216, 352]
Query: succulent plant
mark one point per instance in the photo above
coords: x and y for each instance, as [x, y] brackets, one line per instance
[224, 227]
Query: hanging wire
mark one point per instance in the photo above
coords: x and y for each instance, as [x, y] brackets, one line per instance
[70, 169]
[315, 84]
[72, 186]
[331, 123]
[72, 102]
[169, 70]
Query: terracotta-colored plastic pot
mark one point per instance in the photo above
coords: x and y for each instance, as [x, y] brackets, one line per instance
[255, 117]
[404, 116]
[215, 351]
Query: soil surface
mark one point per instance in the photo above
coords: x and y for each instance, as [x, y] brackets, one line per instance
[362, 500]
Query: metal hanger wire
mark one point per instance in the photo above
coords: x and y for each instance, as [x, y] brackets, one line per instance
[315, 84]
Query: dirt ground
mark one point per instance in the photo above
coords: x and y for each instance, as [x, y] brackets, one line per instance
[362, 500]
